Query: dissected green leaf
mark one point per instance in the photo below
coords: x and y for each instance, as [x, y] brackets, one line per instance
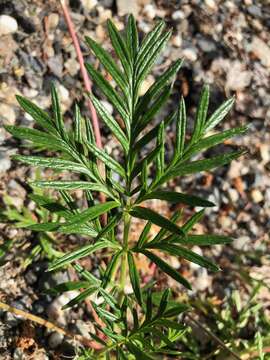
[58, 118]
[120, 48]
[73, 185]
[132, 38]
[166, 268]
[108, 91]
[106, 159]
[109, 64]
[189, 255]
[40, 116]
[158, 85]
[110, 122]
[194, 219]
[213, 140]
[218, 115]
[155, 218]
[181, 121]
[38, 137]
[111, 268]
[78, 254]
[134, 278]
[202, 240]
[79, 298]
[201, 114]
[176, 197]
[91, 213]
[53, 163]
[200, 165]
[67, 286]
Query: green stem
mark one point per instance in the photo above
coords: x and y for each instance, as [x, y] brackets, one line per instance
[123, 270]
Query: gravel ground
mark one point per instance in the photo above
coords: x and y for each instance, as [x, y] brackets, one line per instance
[224, 43]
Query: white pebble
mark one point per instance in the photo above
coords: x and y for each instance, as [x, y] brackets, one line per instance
[8, 25]
[89, 4]
[8, 114]
[177, 41]
[178, 15]
[256, 195]
[190, 54]
[150, 11]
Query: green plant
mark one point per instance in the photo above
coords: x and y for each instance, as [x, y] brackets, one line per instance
[44, 244]
[239, 320]
[143, 324]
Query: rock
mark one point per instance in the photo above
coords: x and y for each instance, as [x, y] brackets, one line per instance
[206, 45]
[237, 77]
[257, 196]
[104, 14]
[255, 11]
[55, 340]
[84, 328]
[8, 25]
[202, 281]
[89, 4]
[100, 33]
[211, 4]
[198, 251]
[234, 195]
[241, 242]
[150, 11]
[53, 20]
[190, 54]
[5, 163]
[265, 153]
[127, 7]
[55, 311]
[7, 113]
[30, 277]
[261, 50]
[18, 354]
[72, 66]
[55, 64]
[178, 15]
[177, 40]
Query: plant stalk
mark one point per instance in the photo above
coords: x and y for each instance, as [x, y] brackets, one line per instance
[123, 268]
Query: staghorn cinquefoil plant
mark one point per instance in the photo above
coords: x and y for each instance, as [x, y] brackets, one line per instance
[151, 328]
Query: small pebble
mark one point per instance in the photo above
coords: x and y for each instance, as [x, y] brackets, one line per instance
[257, 196]
[234, 195]
[190, 54]
[53, 20]
[55, 340]
[7, 113]
[241, 242]
[89, 4]
[150, 11]
[8, 25]
[177, 41]
[5, 163]
[178, 15]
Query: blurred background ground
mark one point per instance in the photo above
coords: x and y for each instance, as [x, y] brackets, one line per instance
[223, 43]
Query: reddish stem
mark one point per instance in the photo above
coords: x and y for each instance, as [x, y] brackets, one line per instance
[86, 80]
[88, 87]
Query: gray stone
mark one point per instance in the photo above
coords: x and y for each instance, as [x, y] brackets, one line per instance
[55, 340]
[8, 25]
[5, 162]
